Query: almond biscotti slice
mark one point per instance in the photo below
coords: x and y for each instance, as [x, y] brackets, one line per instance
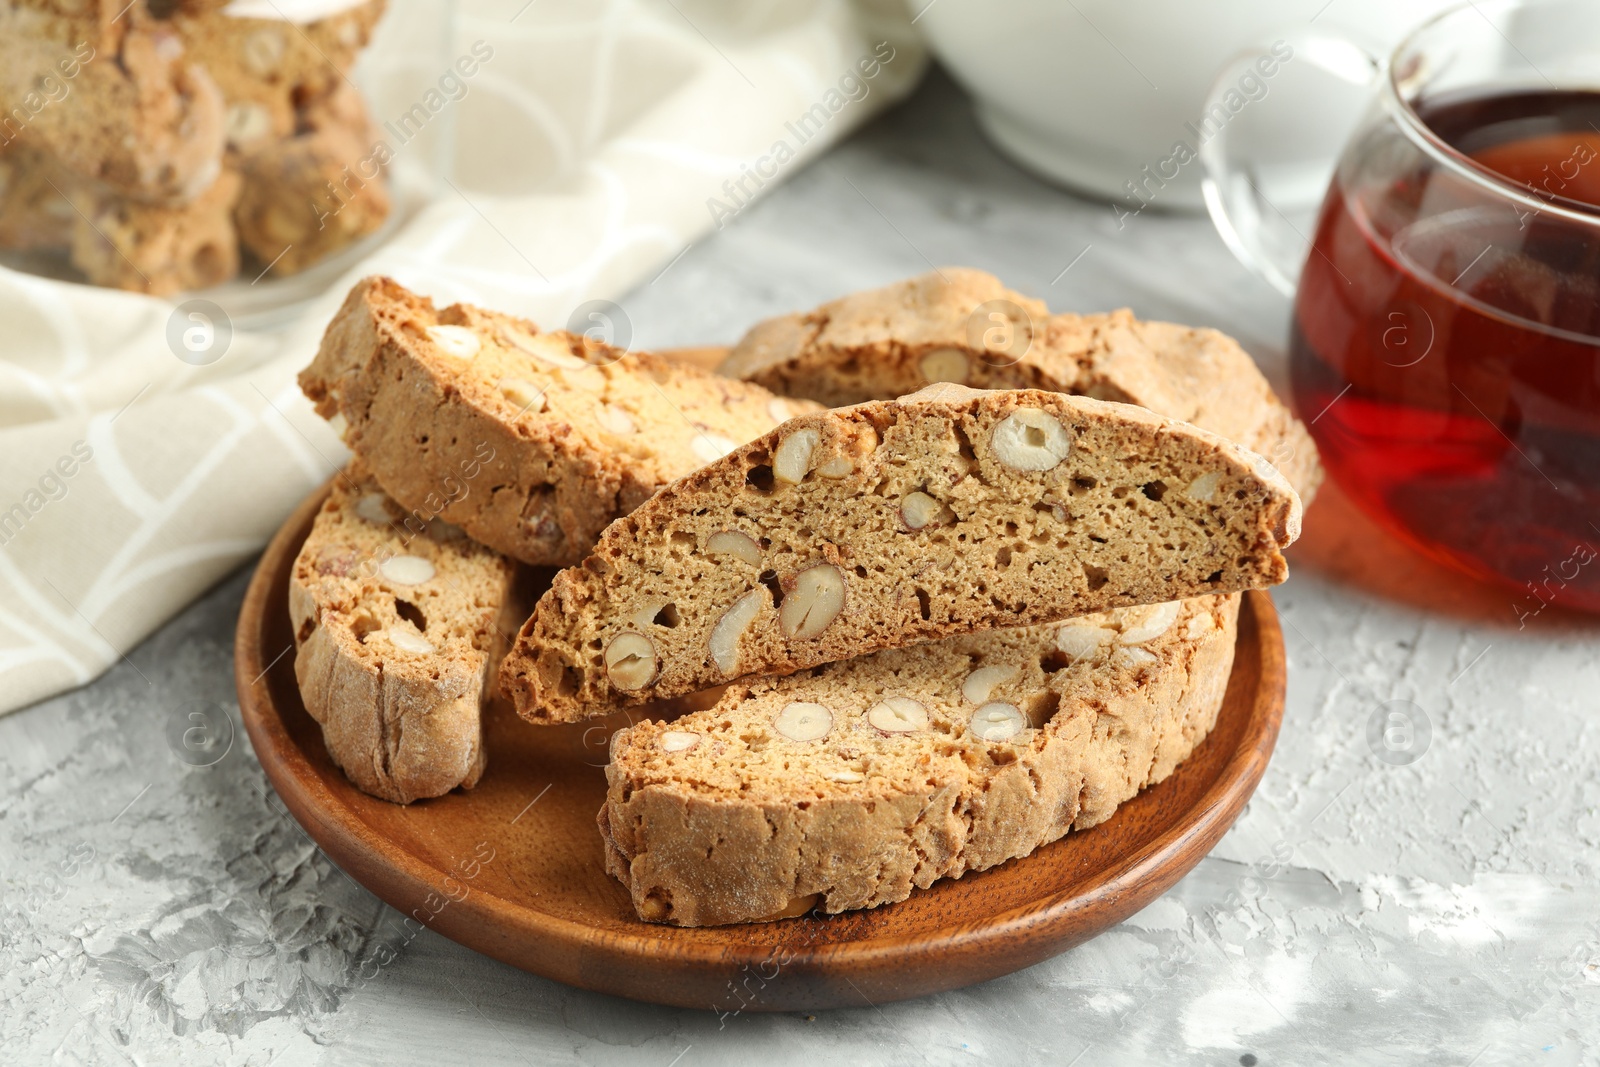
[893, 522]
[286, 215]
[964, 326]
[851, 785]
[531, 442]
[395, 637]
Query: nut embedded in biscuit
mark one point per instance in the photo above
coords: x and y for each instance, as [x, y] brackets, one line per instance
[630, 661]
[998, 721]
[803, 720]
[1153, 623]
[547, 348]
[815, 601]
[406, 570]
[246, 124]
[724, 641]
[1031, 440]
[1134, 657]
[528, 396]
[1079, 640]
[982, 682]
[409, 641]
[679, 740]
[741, 546]
[458, 341]
[1204, 488]
[919, 510]
[588, 378]
[263, 51]
[898, 715]
[793, 458]
[372, 508]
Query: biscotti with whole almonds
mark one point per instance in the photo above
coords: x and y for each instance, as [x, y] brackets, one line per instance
[850, 786]
[532, 442]
[155, 248]
[111, 93]
[308, 196]
[395, 628]
[964, 326]
[272, 71]
[152, 140]
[848, 531]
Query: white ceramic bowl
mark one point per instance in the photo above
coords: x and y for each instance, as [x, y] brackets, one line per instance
[1088, 93]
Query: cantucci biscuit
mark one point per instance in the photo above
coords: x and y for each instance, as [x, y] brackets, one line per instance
[964, 326]
[848, 531]
[270, 68]
[108, 89]
[850, 786]
[395, 631]
[307, 196]
[532, 442]
[155, 248]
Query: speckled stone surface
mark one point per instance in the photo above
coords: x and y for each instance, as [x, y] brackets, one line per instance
[1429, 898]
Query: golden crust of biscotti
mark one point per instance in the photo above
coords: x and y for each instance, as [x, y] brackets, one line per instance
[395, 640]
[869, 345]
[894, 522]
[533, 442]
[1198, 375]
[965, 326]
[786, 797]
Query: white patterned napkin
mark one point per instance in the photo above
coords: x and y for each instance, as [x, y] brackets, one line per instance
[593, 145]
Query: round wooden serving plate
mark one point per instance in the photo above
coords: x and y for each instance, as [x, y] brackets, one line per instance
[513, 868]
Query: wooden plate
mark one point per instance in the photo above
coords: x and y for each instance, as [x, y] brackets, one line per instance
[513, 868]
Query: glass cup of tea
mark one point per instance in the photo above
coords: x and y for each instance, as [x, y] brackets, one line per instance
[1445, 343]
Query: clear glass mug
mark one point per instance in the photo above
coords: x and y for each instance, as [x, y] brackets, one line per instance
[1445, 343]
[300, 191]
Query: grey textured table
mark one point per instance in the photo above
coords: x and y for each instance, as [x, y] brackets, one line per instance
[1429, 897]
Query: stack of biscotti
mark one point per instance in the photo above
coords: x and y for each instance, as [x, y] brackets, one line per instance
[851, 781]
[855, 578]
[888, 523]
[947, 627]
[152, 141]
[532, 442]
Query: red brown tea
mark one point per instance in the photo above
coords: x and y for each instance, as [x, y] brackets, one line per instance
[1446, 342]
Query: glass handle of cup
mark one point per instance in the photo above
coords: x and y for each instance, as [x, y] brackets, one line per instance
[1264, 172]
